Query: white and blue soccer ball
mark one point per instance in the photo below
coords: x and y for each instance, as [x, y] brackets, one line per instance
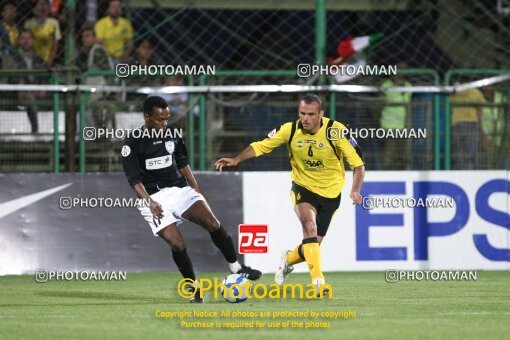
[236, 288]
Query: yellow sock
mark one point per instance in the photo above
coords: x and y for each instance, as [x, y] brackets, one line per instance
[312, 253]
[293, 257]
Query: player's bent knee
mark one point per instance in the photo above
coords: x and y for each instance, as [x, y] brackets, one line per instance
[174, 240]
[178, 246]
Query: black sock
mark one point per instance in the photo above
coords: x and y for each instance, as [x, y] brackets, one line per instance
[300, 251]
[184, 264]
[310, 240]
[224, 243]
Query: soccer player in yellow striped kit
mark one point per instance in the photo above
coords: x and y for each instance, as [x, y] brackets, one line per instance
[317, 148]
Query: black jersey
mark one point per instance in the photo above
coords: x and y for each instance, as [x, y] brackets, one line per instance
[155, 162]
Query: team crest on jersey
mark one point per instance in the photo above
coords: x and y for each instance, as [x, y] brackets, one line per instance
[271, 134]
[170, 147]
[299, 143]
[126, 150]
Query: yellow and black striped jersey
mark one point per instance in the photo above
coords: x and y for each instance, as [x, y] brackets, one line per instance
[316, 160]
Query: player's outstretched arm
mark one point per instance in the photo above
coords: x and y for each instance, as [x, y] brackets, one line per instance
[358, 175]
[247, 153]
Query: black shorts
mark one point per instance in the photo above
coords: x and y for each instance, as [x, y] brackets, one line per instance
[325, 207]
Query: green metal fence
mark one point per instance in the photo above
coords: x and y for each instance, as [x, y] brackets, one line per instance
[208, 139]
[42, 151]
[466, 75]
[203, 140]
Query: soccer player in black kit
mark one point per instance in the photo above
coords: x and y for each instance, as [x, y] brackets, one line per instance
[157, 170]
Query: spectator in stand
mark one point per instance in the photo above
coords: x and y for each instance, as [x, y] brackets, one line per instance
[93, 56]
[25, 58]
[115, 32]
[394, 116]
[493, 126]
[465, 128]
[46, 32]
[9, 31]
[144, 55]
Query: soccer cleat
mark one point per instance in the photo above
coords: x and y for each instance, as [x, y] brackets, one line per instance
[196, 291]
[319, 284]
[249, 273]
[283, 269]
[197, 298]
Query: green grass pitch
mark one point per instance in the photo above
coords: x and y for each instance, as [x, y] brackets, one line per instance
[126, 309]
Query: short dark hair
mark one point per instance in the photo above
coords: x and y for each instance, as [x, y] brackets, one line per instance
[312, 98]
[88, 26]
[140, 42]
[153, 101]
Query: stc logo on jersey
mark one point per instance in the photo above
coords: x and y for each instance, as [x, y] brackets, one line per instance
[158, 162]
[425, 227]
[253, 239]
